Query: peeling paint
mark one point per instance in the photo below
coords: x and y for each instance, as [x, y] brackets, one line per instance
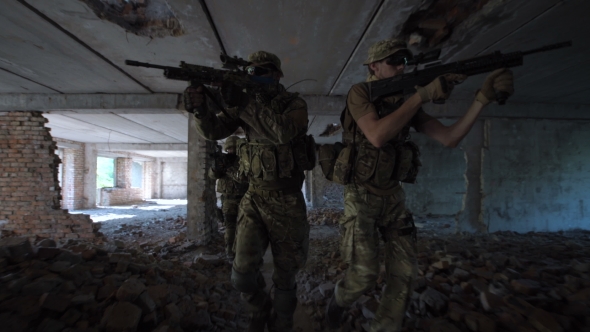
[150, 18]
[435, 21]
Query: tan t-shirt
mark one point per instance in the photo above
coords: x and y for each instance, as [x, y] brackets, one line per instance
[359, 105]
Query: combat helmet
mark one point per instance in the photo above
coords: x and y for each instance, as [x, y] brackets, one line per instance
[263, 57]
[230, 142]
[383, 49]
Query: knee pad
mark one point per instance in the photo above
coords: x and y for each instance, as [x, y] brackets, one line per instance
[244, 282]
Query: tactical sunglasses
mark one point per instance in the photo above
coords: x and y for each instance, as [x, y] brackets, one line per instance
[258, 71]
[399, 58]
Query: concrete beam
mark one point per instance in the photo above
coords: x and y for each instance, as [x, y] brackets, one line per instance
[124, 154]
[165, 103]
[68, 145]
[141, 146]
[90, 103]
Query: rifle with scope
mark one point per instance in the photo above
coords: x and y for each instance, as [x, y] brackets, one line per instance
[405, 83]
[236, 72]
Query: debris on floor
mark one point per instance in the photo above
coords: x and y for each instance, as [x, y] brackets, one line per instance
[498, 282]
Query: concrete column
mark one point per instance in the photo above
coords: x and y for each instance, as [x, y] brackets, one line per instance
[73, 178]
[123, 172]
[148, 179]
[157, 179]
[307, 188]
[470, 218]
[201, 199]
[90, 155]
[324, 193]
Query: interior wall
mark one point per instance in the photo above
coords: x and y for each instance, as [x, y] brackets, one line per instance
[536, 175]
[30, 193]
[174, 180]
[440, 186]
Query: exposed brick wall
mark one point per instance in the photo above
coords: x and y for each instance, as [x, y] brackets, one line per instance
[73, 178]
[29, 188]
[120, 196]
[122, 193]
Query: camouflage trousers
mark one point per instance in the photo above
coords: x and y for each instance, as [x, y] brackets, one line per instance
[269, 217]
[229, 206]
[365, 216]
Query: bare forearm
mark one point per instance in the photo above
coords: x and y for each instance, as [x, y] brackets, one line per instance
[458, 130]
[381, 131]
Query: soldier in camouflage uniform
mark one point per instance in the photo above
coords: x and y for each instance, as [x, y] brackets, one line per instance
[384, 156]
[231, 191]
[273, 158]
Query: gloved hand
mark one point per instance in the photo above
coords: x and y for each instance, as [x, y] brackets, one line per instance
[439, 89]
[233, 95]
[194, 100]
[500, 80]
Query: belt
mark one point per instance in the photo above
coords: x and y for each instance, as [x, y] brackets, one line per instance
[273, 193]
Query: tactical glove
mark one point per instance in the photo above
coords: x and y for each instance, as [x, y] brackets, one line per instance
[439, 89]
[499, 81]
[233, 96]
[194, 101]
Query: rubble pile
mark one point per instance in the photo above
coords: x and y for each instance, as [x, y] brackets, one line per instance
[499, 282]
[80, 286]
[324, 216]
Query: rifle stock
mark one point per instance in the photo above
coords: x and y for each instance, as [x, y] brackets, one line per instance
[478, 65]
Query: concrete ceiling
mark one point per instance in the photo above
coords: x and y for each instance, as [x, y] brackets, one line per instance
[60, 57]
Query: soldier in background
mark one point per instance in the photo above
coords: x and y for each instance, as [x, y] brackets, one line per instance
[273, 157]
[225, 170]
[384, 156]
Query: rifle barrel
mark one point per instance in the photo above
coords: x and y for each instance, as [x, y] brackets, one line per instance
[144, 64]
[548, 48]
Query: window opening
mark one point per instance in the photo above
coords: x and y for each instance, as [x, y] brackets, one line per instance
[105, 172]
[137, 175]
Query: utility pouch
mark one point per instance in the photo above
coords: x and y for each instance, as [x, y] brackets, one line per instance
[366, 162]
[408, 162]
[269, 165]
[222, 186]
[327, 158]
[343, 165]
[286, 163]
[304, 152]
[385, 164]
[243, 151]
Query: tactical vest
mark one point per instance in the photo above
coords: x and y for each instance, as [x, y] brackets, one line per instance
[397, 160]
[275, 166]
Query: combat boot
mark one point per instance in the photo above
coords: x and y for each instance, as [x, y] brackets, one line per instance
[334, 313]
[259, 318]
[284, 305]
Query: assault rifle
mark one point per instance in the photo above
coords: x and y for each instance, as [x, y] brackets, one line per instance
[405, 83]
[198, 75]
[222, 161]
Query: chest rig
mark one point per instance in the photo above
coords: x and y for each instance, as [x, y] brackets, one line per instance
[262, 159]
[397, 160]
